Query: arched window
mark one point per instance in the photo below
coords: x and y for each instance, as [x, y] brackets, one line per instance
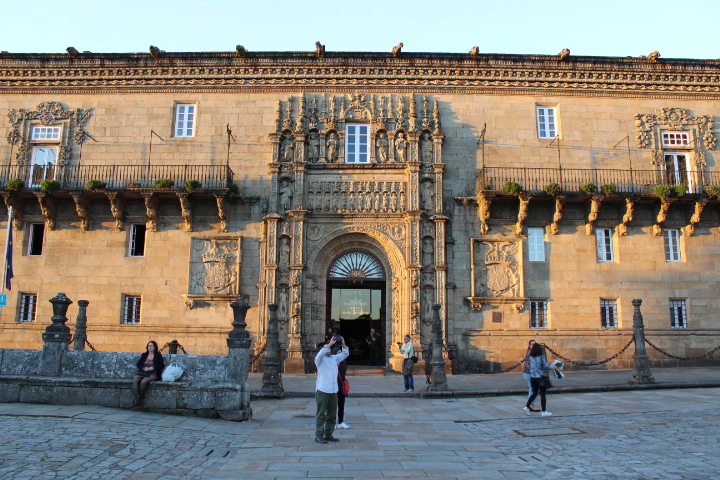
[357, 265]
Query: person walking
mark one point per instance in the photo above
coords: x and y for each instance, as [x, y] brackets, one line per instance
[408, 351]
[342, 371]
[373, 341]
[539, 368]
[326, 388]
[526, 372]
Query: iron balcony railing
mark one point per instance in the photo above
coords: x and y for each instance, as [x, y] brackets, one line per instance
[626, 181]
[117, 177]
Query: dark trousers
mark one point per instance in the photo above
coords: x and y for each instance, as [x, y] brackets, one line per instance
[374, 360]
[536, 388]
[341, 407]
[325, 415]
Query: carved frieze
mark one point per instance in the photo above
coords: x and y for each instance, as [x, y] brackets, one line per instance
[214, 266]
[356, 197]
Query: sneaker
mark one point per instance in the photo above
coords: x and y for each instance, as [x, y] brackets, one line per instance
[546, 414]
[343, 425]
[527, 410]
[406, 389]
[319, 439]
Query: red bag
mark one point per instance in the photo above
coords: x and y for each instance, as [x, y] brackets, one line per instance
[345, 387]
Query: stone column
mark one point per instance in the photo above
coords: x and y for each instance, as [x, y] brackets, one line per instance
[239, 343]
[271, 377]
[56, 337]
[641, 370]
[81, 326]
[437, 363]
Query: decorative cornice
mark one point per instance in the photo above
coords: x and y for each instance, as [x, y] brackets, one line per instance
[348, 72]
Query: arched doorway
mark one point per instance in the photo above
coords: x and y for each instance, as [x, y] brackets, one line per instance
[356, 283]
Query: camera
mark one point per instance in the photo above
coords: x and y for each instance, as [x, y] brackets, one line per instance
[338, 338]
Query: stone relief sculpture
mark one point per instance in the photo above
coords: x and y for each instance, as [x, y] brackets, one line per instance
[332, 148]
[382, 144]
[428, 252]
[426, 148]
[427, 197]
[287, 145]
[350, 197]
[214, 266]
[401, 147]
[282, 312]
[497, 269]
[286, 194]
[428, 300]
[313, 147]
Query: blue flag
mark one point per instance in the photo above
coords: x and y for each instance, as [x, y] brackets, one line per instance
[8, 258]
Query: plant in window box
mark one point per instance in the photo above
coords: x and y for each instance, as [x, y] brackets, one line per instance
[233, 190]
[191, 185]
[678, 190]
[712, 191]
[588, 188]
[608, 189]
[14, 185]
[95, 185]
[553, 189]
[48, 185]
[513, 188]
[662, 191]
[164, 183]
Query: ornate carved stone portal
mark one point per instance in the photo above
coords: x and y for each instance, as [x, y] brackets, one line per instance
[353, 172]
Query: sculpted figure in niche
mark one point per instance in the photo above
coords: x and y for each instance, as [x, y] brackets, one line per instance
[382, 148]
[426, 148]
[284, 253]
[427, 252]
[286, 195]
[332, 147]
[313, 147]
[428, 300]
[287, 148]
[283, 304]
[427, 195]
[401, 145]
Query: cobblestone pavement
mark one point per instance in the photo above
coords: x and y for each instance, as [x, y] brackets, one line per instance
[664, 434]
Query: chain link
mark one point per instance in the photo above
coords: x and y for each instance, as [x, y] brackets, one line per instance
[464, 368]
[707, 354]
[593, 364]
[87, 342]
[257, 356]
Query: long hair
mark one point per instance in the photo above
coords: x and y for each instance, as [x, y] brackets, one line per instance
[536, 350]
[157, 350]
[531, 343]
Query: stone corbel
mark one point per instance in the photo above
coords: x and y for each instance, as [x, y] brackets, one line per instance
[662, 215]
[186, 208]
[699, 206]
[595, 203]
[222, 212]
[117, 208]
[16, 203]
[48, 208]
[484, 200]
[553, 229]
[189, 302]
[629, 207]
[522, 212]
[83, 210]
[152, 209]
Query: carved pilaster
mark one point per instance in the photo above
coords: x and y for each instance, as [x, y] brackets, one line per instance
[595, 203]
[83, 210]
[117, 208]
[440, 265]
[294, 362]
[48, 208]
[221, 202]
[557, 216]
[152, 209]
[699, 206]
[438, 169]
[186, 208]
[627, 217]
[524, 199]
[16, 203]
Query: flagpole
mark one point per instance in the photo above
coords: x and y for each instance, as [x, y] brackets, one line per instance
[5, 257]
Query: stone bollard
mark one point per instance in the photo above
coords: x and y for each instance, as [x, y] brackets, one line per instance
[438, 378]
[172, 347]
[239, 343]
[641, 370]
[81, 326]
[56, 337]
[271, 377]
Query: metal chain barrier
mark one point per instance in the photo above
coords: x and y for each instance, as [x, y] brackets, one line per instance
[257, 356]
[707, 354]
[87, 342]
[593, 364]
[465, 368]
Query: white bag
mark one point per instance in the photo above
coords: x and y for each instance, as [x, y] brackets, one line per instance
[171, 373]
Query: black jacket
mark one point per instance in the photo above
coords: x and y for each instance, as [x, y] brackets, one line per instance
[158, 363]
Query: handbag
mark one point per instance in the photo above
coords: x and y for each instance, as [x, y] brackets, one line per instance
[345, 390]
[545, 382]
[414, 359]
[142, 373]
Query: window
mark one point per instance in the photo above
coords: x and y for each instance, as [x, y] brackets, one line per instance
[547, 126]
[137, 240]
[672, 244]
[604, 244]
[184, 120]
[678, 314]
[28, 301]
[36, 239]
[676, 139]
[676, 169]
[538, 314]
[608, 313]
[46, 133]
[536, 244]
[42, 164]
[131, 309]
[356, 144]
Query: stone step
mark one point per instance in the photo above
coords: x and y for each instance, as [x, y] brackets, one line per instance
[365, 371]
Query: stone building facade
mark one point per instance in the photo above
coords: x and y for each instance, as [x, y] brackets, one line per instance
[182, 180]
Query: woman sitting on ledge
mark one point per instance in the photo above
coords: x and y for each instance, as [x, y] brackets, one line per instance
[150, 367]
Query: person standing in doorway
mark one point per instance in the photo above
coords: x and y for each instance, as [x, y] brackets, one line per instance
[408, 351]
[326, 388]
[373, 341]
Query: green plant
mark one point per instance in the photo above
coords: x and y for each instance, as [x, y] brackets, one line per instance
[164, 183]
[513, 188]
[608, 189]
[14, 185]
[466, 201]
[588, 188]
[553, 189]
[191, 185]
[711, 191]
[488, 186]
[48, 185]
[678, 190]
[662, 191]
[95, 185]
[233, 189]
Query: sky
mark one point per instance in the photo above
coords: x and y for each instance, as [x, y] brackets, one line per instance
[599, 28]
